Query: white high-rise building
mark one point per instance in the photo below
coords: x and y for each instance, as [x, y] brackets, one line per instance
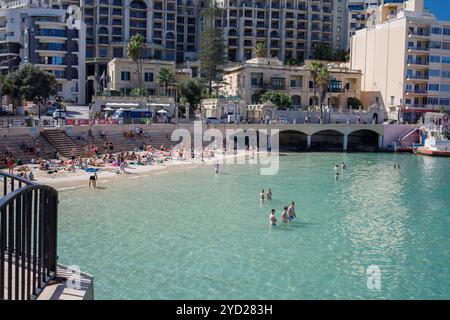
[37, 32]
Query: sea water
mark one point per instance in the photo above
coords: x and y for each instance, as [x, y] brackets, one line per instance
[376, 233]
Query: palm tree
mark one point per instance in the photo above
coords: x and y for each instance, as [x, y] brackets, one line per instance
[314, 71]
[260, 50]
[321, 76]
[166, 78]
[134, 52]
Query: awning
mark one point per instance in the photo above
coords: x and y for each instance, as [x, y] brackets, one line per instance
[160, 105]
[412, 110]
[117, 105]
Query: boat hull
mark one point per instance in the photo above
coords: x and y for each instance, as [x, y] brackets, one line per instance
[431, 152]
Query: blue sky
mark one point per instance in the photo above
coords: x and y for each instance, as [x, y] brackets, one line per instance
[440, 8]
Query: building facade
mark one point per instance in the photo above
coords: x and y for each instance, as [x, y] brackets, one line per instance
[35, 32]
[252, 78]
[123, 75]
[405, 57]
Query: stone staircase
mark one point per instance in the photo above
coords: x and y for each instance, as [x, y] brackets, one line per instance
[47, 151]
[61, 141]
[154, 138]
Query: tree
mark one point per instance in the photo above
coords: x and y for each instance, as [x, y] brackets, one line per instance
[290, 61]
[28, 82]
[212, 47]
[354, 103]
[134, 52]
[321, 76]
[341, 55]
[260, 50]
[166, 78]
[138, 92]
[323, 51]
[191, 90]
[281, 100]
[313, 71]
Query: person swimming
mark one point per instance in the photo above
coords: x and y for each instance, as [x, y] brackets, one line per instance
[291, 211]
[336, 176]
[284, 215]
[272, 218]
[261, 195]
[269, 194]
[336, 167]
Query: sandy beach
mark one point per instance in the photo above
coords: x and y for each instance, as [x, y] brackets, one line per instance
[69, 180]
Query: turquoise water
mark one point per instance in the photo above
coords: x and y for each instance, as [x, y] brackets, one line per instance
[194, 235]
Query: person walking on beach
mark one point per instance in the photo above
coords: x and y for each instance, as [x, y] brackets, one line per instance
[272, 218]
[217, 166]
[269, 194]
[122, 166]
[93, 180]
[291, 211]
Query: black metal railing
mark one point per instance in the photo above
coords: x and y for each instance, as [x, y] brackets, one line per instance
[28, 237]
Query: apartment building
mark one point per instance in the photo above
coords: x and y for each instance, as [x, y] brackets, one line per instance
[405, 59]
[255, 76]
[170, 29]
[363, 13]
[289, 28]
[34, 32]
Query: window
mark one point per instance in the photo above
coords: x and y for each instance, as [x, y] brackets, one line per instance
[433, 101]
[445, 87]
[444, 101]
[118, 52]
[445, 60]
[436, 30]
[445, 73]
[434, 73]
[433, 87]
[148, 77]
[446, 31]
[103, 52]
[435, 59]
[125, 76]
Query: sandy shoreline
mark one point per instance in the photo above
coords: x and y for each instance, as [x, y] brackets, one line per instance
[65, 180]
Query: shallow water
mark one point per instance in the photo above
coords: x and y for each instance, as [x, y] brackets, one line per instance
[194, 235]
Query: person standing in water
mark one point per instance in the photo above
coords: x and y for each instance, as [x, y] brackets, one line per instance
[343, 165]
[93, 180]
[291, 211]
[269, 195]
[272, 218]
[284, 215]
[216, 167]
[336, 176]
[261, 195]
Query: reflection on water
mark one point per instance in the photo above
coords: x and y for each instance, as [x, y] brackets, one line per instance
[205, 236]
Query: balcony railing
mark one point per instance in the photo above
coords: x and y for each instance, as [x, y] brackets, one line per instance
[28, 237]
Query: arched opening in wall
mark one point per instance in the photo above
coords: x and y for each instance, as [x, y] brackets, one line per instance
[296, 101]
[363, 141]
[292, 140]
[255, 98]
[375, 118]
[327, 140]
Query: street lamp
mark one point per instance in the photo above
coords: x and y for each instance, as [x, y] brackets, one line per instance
[38, 100]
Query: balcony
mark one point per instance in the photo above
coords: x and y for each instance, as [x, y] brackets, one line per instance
[420, 49]
[419, 63]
